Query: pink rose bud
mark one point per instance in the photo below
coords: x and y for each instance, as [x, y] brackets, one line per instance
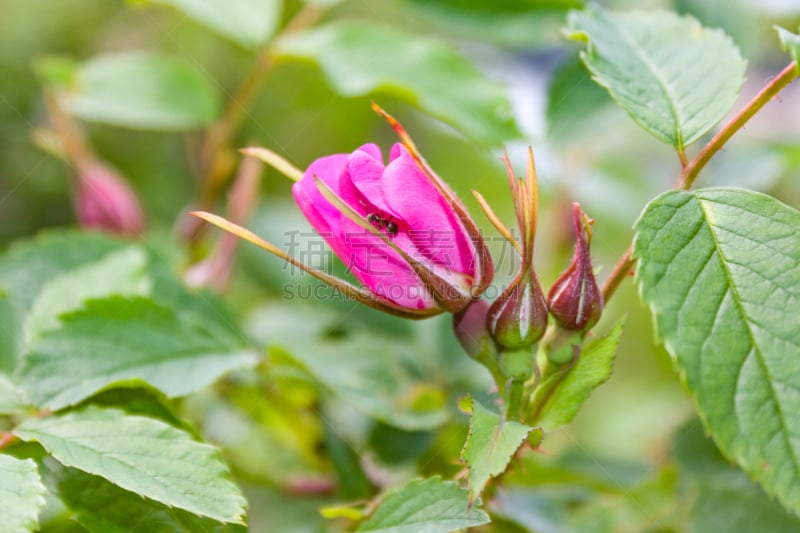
[398, 228]
[518, 318]
[469, 325]
[575, 300]
[104, 201]
[395, 227]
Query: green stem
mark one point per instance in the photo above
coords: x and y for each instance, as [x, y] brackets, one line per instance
[515, 395]
[497, 374]
[692, 169]
[551, 379]
[682, 157]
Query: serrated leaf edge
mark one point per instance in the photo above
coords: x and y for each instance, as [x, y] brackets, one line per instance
[672, 352]
[473, 497]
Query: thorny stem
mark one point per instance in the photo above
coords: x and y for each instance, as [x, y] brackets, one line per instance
[692, 169]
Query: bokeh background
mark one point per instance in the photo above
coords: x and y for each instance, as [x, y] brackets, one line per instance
[619, 462]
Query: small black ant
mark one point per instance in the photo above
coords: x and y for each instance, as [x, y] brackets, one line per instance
[381, 223]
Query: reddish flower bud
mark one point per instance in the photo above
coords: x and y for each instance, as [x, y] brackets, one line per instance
[575, 300]
[421, 256]
[470, 328]
[518, 318]
[103, 200]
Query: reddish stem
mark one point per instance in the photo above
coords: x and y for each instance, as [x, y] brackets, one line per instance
[690, 172]
[618, 275]
[692, 169]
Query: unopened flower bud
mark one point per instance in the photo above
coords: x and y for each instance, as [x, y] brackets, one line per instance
[518, 318]
[469, 325]
[575, 300]
[104, 201]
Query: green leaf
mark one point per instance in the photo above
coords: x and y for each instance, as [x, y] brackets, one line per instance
[247, 22]
[143, 90]
[102, 507]
[55, 70]
[142, 401]
[359, 58]
[736, 510]
[592, 370]
[507, 6]
[273, 509]
[524, 25]
[424, 506]
[141, 455]
[122, 340]
[122, 272]
[572, 98]
[352, 482]
[11, 398]
[647, 506]
[790, 42]
[674, 77]
[382, 379]
[11, 332]
[394, 446]
[21, 495]
[722, 497]
[30, 264]
[490, 445]
[28, 267]
[719, 269]
[582, 491]
[52, 262]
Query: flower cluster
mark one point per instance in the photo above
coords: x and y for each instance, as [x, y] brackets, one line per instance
[518, 318]
[381, 219]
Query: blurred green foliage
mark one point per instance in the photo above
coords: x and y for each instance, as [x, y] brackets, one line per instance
[345, 400]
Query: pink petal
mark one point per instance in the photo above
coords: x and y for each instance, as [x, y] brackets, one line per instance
[396, 151]
[372, 149]
[331, 170]
[380, 268]
[366, 174]
[322, 215]
[434, 227]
